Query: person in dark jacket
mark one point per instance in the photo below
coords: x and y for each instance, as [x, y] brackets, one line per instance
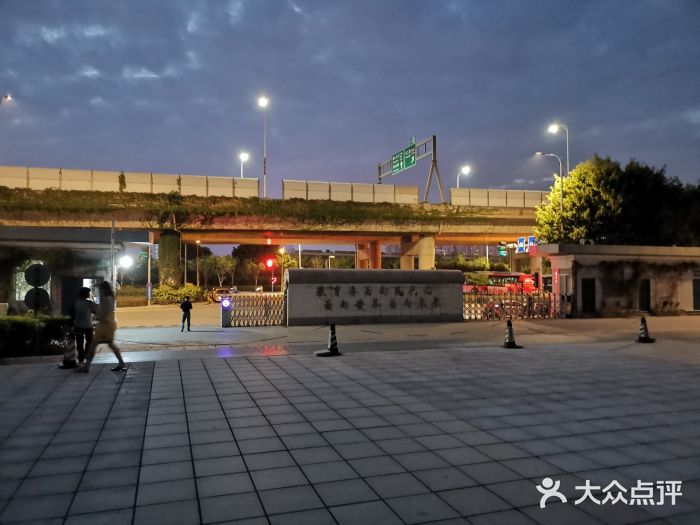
[82, 313]
[186, 307]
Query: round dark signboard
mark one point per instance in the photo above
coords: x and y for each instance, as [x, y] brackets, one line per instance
[37, 299]
[37, 275]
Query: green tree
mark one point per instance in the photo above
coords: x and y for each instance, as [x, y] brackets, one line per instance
[207, 263]
[637, 204]
[231, 263]
[252, 252]
[590, 205]
[285, 261]
[313, 261]
[249, 270]
[224, 265]
[655, 210]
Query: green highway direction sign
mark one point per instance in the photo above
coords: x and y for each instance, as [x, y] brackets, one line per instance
[404, 159]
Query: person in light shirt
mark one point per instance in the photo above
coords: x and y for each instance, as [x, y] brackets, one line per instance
[104, 331]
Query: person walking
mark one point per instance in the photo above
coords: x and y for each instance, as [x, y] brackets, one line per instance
[186, 307]
[81, 314]
[104, 332]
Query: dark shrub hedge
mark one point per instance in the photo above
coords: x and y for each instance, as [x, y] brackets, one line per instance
[26, 335]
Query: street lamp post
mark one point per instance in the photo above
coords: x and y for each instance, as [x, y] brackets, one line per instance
[185, 266]
[464, 170]
[196, 264]
[553, 128]
[281, 251]
[243, 158]
[561, 182]
[263, 102]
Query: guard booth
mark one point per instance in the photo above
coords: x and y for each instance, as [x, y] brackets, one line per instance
[613, 280]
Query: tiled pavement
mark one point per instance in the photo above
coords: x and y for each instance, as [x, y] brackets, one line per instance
[443, 436]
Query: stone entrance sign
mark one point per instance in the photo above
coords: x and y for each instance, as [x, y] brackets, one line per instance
[373, 296]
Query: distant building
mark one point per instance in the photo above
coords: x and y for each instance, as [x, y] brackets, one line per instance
[609, 280]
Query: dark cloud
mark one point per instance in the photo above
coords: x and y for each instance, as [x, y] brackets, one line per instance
[170, 85]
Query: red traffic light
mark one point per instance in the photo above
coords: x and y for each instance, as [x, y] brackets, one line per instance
[269, 263]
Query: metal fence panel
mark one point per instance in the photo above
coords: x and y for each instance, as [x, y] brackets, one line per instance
[510, 306]
[269, 309]
[257, 309]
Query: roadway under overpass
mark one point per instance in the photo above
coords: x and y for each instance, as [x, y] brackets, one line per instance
[417, 240]
[414, 245]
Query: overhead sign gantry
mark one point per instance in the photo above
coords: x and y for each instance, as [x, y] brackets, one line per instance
[407, 158]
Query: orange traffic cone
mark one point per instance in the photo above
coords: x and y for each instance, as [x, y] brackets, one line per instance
[644, 332]
[332, 345]
[510, 336]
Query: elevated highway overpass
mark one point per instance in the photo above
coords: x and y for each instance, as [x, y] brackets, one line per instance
[364, 215]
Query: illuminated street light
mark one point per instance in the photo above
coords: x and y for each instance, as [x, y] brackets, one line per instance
[554, 128]
[6, 98]
[561, 181]
[263, 102]
[243, 158]
[465, 170]
[126, 262]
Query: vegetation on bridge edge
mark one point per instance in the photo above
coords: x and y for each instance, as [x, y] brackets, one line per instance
[164, 209]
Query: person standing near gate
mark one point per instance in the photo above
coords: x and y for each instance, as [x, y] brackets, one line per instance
[186, 307]
[82, 313]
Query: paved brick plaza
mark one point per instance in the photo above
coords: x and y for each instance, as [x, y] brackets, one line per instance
[445, 436]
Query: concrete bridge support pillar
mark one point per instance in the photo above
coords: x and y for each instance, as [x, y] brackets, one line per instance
[368, 255]
[169, 261]
[417, 245]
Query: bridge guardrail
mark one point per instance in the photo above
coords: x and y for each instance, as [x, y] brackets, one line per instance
[205, 186]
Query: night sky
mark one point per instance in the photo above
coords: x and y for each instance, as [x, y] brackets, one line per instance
[170, 86]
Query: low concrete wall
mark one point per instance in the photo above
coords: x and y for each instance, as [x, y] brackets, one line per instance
[294, 189]
[318, 190]
[217, 186]
[136, 182]
[320, 297]
[501, 198]
[345, 191]
[383, 193]
[341, 191]
[362, 192]
[406, 194]
[200, 185]
[245, 188]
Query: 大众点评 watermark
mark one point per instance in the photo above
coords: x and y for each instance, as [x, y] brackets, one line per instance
[643, 493]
